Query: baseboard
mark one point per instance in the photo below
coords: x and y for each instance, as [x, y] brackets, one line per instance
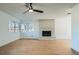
[8, 43]
[29, 39]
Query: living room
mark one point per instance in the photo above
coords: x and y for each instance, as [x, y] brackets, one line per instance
[39, 31]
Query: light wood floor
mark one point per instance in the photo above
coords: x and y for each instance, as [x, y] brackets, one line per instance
[38, 47]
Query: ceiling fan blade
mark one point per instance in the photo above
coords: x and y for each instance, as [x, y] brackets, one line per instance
[25, 11]
[26, 5]
[30, 6]
[38, 11]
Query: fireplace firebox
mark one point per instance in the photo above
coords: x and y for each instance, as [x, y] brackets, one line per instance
[46, 33]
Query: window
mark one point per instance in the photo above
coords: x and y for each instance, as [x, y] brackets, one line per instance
[13, 26]
[22, 28]
[16, 27]
[31, 27]
[27, 27]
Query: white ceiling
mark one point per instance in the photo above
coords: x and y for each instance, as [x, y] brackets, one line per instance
[51, 10]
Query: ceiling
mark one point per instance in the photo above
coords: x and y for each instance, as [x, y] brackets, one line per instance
[51, 10]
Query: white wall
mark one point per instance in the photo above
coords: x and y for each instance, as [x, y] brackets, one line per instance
[63, 27]
[5, 36]
[75, 28]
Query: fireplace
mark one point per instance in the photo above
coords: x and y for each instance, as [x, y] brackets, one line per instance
[46, 33]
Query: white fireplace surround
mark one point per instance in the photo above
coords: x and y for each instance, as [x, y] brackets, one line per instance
[47, 25]
[47, 29]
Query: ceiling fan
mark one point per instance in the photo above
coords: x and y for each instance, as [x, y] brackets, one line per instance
[31, 9]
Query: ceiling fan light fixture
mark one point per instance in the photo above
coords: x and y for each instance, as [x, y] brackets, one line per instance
[30, 10]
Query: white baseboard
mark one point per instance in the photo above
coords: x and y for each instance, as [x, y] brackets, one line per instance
[8, 42]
